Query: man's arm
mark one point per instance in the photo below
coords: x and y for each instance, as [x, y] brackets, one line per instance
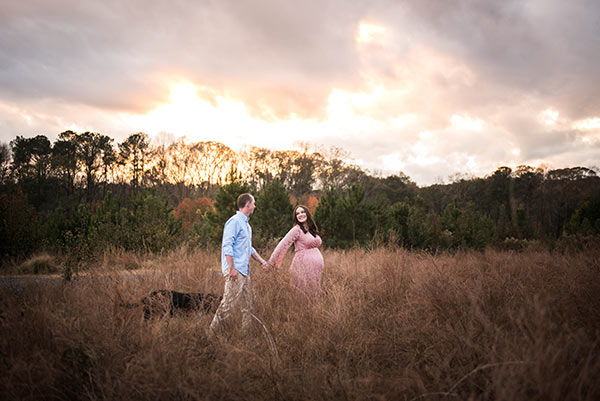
[228, 238]
[259, 259]
[232, 271]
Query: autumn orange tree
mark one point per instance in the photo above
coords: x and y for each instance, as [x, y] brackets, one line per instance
[191, 213]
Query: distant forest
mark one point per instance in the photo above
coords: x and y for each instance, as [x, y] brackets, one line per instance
[84, 194]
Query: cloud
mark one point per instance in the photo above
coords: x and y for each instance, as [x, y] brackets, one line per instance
[542, 48]
[400, 85]
[116, 54]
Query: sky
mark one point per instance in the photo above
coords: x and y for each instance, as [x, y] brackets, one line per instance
[432, 89]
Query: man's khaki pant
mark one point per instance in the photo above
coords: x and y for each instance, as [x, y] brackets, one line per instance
[238, 293]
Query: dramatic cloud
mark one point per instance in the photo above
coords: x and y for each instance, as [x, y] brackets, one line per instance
[431, 88]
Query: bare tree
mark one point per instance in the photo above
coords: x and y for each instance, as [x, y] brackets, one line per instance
[258, 164]
[211, 161]
[178, 163]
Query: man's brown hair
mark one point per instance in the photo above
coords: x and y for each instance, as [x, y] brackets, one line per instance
[243, 199]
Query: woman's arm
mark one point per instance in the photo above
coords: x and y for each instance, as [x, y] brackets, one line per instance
[283, 246]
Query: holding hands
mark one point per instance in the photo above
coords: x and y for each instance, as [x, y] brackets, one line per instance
[264, 264]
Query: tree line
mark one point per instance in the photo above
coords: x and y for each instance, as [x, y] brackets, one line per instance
[84, 194]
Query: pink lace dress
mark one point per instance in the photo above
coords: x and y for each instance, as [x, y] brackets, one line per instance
[307, 265]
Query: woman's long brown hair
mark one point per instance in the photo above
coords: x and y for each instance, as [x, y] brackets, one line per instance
[312, 226]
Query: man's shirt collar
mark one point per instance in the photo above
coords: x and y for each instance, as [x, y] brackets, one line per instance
[242, 215]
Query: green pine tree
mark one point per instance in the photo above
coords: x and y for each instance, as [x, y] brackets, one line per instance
[225, 207]
[273, 215]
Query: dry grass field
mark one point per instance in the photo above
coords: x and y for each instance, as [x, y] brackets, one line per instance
[390, 324]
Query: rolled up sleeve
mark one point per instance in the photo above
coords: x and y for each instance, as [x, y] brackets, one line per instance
[237, 243]
[228, 238]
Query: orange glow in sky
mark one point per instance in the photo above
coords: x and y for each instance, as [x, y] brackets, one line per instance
[186, 114]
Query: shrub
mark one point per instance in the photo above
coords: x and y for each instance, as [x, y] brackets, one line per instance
[152, 224]
[225, 206]
[273, 215]
[346, 219]
[191, 213]
[19, 234]
[39, 264]
[586, 219]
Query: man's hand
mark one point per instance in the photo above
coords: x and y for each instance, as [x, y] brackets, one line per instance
[270, 266]
[233, 273]
[263, 263]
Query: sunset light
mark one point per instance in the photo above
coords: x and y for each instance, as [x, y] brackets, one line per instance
[351, 112]
[550, 117]
[448, 154]
[195, 118]
[368, 77]
[368, 32]
[187, 115]
[184, 95]
[227, 120]
[466, 123]
[587, 124]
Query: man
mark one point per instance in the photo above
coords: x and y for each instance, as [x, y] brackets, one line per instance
[236, 251]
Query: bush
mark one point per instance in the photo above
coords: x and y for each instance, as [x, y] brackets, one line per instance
[148, 225]
[586, 219]
[19, 234]
[413, 228]
[273, 215]
[225, 206]
[152, 224]
[39, 264]
[110, 225]
[69, 232]
[346, 219]
[468, 228]
[191, 213]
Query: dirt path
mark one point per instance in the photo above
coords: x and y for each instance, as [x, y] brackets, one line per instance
[18, 283]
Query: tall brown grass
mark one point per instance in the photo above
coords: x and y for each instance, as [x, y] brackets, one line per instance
[390, 324]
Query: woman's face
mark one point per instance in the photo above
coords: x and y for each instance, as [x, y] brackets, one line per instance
[301, 215]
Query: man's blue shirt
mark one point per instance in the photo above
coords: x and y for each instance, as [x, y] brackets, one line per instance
[237, 242]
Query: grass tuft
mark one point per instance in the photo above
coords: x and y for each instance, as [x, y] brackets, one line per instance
[42, 263]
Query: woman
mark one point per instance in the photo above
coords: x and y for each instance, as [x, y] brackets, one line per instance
[307, 266]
